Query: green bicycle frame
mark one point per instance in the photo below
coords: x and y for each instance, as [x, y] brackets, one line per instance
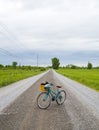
[54, 94]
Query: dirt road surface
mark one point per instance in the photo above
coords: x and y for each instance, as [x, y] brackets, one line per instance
[77, 113]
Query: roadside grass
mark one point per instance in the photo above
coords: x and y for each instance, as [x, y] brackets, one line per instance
[87, 77]
[8, 76]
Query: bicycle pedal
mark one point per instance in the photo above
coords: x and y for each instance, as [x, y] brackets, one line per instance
[53, 99]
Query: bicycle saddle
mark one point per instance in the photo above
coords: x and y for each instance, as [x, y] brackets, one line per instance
[59, 86]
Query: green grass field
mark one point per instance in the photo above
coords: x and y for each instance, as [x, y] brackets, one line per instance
[8, 76]
[87, 77]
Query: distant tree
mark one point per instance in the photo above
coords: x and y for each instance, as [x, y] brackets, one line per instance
[8, 66]
[89, 65]
[97, 67]
[73, 67]
[55, 63]
[1, 66]
[68, 66]
[14, 64]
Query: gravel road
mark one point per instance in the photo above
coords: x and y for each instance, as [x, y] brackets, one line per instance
[79, 112]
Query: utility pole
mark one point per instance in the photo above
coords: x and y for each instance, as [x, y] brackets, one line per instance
[37, 60]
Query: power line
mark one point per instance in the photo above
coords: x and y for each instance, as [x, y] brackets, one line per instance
[7, 52]
[11, 36]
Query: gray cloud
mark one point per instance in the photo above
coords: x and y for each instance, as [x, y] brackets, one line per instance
[50, 25]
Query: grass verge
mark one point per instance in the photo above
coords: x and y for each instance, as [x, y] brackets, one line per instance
[8, 76]
[87, 77]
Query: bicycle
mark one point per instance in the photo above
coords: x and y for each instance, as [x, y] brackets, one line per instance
[47, 95]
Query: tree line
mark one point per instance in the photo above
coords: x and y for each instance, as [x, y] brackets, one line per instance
[55, 65]
[15, 65]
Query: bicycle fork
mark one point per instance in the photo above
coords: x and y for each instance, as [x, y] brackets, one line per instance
[45, 96]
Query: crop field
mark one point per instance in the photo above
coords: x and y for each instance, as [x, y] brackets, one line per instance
[87, 77]
[8, 76]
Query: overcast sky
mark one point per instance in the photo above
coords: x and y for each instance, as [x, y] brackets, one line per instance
[43, 29]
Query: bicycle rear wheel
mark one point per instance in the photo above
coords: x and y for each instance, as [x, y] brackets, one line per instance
[43, 100]
[61, 97]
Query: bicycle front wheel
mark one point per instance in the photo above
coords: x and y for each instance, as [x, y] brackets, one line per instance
[61, 97]
[43, 100]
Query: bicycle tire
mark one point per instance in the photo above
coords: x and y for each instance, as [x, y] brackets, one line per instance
[43, 103]
[61, 97]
